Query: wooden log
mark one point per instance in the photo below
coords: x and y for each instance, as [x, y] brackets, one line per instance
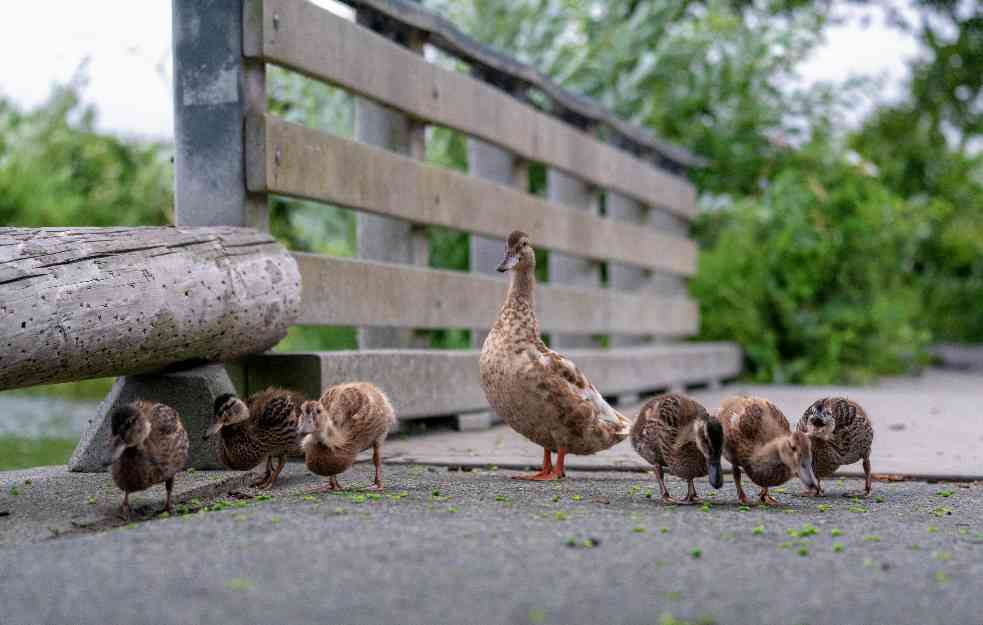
[80, 303]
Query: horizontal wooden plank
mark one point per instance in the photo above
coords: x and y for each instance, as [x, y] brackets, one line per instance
[444, 35]
[293, 160]
[340, 291]
[425, 383]
[321, 45]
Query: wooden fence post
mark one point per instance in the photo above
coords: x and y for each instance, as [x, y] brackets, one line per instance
[575, 194]
[213, 89]
[382, 238]
[497, 165]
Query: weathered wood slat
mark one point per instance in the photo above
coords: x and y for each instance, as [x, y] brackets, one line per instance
[425, 383]
[314, 42]
[289, 159]
[341, 291]
[78, 303]
[442, 33]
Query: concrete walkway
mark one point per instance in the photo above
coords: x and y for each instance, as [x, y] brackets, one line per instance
[442, 546]
[928, 426]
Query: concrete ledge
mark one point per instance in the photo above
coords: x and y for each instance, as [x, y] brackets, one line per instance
[191, 393]
[426, 383]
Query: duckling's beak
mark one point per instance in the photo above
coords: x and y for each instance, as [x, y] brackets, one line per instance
[716, 475]
[211, 431]
[306, 429]
[806, 474]
[509, 262]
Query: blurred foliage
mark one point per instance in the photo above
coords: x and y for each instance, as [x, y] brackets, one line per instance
[813, 277]
[56, 169]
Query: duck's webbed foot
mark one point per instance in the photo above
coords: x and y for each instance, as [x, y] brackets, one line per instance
[814, 492]
[264, 481]
[332, 485]
[548, 473]
[691, 498]
[124, 508]
[767, 499]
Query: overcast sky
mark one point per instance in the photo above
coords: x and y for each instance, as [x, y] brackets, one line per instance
[127, 43]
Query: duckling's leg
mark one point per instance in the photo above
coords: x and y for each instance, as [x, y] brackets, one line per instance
[659, 475]
[377, 461]
[814, 492]
[281, 460]
[741, 495]
[333, 484]
[691, 496]
[124, 508]
[767, 499]
[867, 481]
[546, 473]
[169, 485]
[266, 476]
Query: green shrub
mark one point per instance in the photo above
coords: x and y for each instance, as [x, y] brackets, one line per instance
[814, 278]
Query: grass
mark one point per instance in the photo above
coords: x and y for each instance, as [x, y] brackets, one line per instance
[92, 390]
[23, 453]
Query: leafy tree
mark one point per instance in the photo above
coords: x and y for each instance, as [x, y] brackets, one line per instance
[57, 170]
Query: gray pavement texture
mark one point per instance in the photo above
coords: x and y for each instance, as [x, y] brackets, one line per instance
[442, 546]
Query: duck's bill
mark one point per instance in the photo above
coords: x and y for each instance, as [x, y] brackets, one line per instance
[508, 263]
[807, 475]
[304, 431]
[716, 475]
[212, 430]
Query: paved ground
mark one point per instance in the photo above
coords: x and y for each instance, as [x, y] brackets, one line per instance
[453, 546]
[930, 426]
[446, 546]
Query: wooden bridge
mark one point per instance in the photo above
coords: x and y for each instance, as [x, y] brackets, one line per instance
[153, 305]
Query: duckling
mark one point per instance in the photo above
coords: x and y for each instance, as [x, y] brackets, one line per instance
[150, 446]
[263, 426]
[538, 392]
[758, 440]
[677, 432]
[348, 419]
[841, 433]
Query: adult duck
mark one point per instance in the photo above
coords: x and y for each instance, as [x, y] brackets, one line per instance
[536, 391]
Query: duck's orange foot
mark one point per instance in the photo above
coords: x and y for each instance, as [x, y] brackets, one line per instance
[768, 500]
[542, 476]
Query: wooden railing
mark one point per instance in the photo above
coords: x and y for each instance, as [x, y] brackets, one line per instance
[158, 302]
[388, 289]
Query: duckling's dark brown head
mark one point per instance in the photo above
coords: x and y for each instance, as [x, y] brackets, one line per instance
[710, 440]
[130, 427]
[312, 417]
[796, 454]
[229, 410]
[519, 254]
[819, 418]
